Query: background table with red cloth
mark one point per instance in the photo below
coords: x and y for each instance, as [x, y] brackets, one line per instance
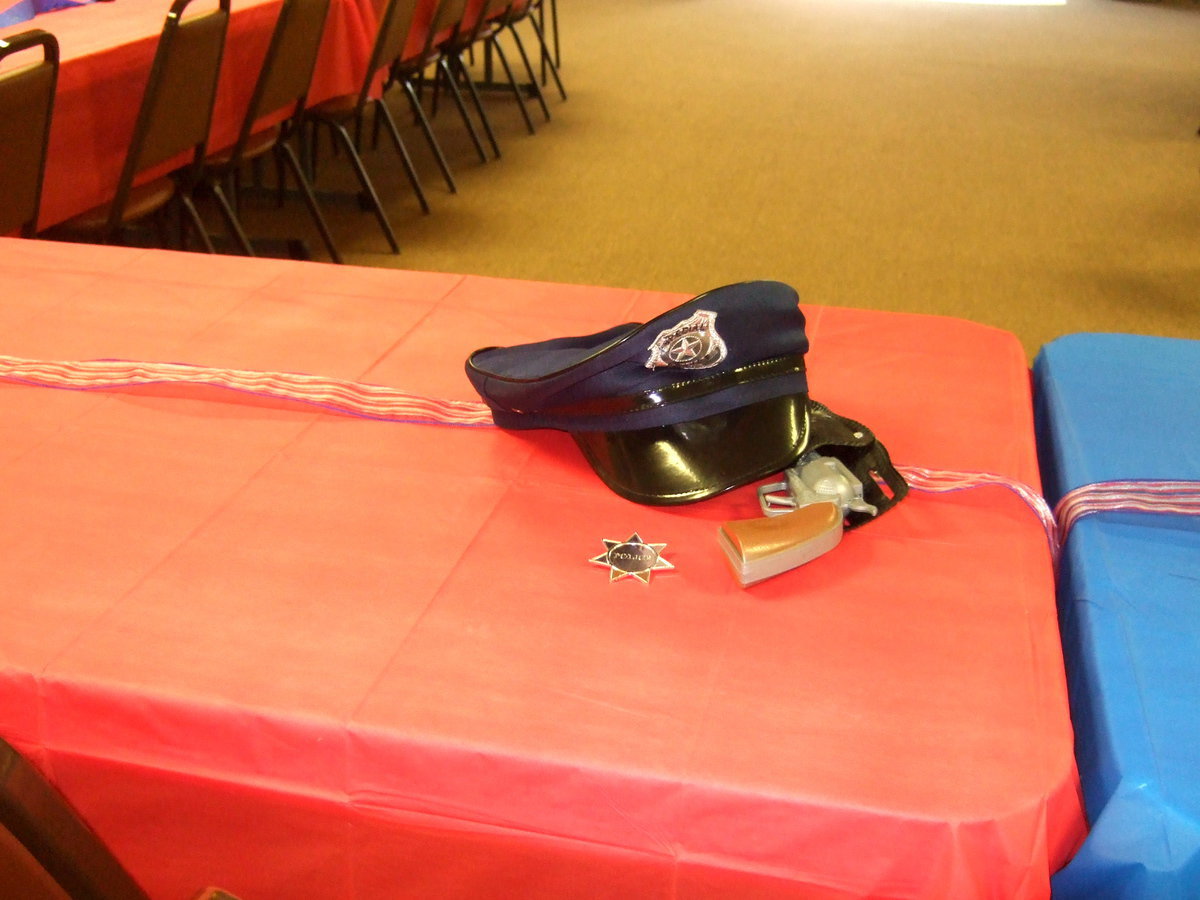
[106, 53]
[289, 651]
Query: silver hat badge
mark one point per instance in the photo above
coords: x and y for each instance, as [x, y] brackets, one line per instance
[692, 344]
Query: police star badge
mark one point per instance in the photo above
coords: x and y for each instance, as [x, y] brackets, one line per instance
[691, 344]
[633, 558]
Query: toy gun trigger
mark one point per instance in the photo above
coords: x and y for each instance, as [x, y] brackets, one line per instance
[805, 518]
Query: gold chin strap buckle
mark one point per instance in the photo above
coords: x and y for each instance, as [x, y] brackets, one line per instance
[805, 518]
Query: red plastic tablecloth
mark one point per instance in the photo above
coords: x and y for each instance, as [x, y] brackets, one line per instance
[106, 52]
[280, 649]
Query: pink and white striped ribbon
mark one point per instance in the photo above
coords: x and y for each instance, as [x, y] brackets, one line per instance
[946, 481]
[349, 397]
[1148, 496]
[379, 402]
[392, 405]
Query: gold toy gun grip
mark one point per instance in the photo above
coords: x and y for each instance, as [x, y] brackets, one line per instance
[757, 549]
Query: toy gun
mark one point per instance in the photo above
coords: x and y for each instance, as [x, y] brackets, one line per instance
[843, 480]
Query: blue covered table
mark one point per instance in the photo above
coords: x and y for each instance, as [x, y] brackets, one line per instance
[1118, 407]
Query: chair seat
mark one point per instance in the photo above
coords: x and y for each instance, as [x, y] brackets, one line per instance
[335, 108]
[143, 200]
[461, 43]
[256, 146]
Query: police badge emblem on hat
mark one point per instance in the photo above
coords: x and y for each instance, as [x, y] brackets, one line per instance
[692, 344]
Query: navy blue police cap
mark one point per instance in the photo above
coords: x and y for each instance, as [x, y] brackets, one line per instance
[707, 396]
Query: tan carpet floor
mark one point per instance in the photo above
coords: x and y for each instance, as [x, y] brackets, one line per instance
[1036, 168]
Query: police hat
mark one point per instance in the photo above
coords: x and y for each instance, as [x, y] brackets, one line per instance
[701, 399]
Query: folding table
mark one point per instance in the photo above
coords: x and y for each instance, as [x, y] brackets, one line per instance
[1115, 408]
[290, 651]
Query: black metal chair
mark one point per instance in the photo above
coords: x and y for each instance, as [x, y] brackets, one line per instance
[335, 114]
[173, 120]
[468, 21]
[533, 11]
[26, 108]
[47, 850]
[491, 26]
[46, 845]
[282, 86]
[407, 70]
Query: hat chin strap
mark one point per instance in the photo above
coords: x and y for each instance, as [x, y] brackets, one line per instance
[855, 446]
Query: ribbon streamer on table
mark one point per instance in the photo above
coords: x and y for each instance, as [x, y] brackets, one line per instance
[941, 481]
[354, 398]
[1150, 496]
[391, 405]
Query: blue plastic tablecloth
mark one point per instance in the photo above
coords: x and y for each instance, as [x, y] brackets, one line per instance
[1113, 407]
[25, 10]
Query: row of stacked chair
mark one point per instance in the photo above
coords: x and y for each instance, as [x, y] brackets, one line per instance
[175, 115]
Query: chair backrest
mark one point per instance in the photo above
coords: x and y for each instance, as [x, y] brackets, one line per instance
[479, 15]
[26, 105]
[177, 105]
[460, 18]
[425, 19]
[395, 25]
[287, 69]
[495, 10]
[473, 20]
[38, 826]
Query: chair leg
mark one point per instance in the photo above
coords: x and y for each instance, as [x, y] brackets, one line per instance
[546, 60]
[280, 185]
[343, 136]
[444, 73]
[310, 199]
[430, 138]
[512, 83]
[533, 80]
[374, 126]
[234, 183]
[437, 85]
[231, 219]
[381, 111]
[196, 222]
[458, 64]
[161, 229]
[308, 150]
[554, 30]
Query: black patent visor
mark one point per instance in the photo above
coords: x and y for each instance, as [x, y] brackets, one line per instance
[690, 461]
